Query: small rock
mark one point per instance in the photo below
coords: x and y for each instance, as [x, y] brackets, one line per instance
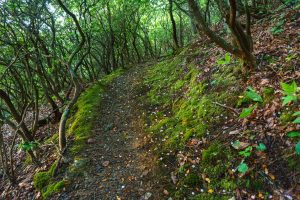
[166, 192]
[38, 195]
[91, 140]
[145, 173]
[234, 132]
[147, 196]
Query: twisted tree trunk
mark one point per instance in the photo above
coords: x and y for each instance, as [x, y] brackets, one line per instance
[75, 81]
[243, 49]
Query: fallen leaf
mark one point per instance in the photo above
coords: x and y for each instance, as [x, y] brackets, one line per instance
[166, 192]
[264, 81]
[105, 163]
[234, 132]
[91, 140]
[272, 176]
[207, 180]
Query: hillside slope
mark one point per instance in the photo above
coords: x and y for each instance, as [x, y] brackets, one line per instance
[224, 134]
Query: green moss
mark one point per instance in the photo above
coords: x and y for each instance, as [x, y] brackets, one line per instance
[215, 161]
[52, 139]
[268, 94]
[52, 189]
[286, 117]
[294, 163]
[188, 93]
[179, 194]
[178, 85]
[255, 184]
[228, 185]
[188, 134]
[192, 180]
[28, 160]
[42, 179]
[206, 196]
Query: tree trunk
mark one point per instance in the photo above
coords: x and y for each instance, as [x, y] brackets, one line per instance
[62, 124]
[174, 34]
[243, 48]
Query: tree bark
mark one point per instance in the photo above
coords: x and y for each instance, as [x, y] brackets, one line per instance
[62, 124]
[174, 33]
[242, 50]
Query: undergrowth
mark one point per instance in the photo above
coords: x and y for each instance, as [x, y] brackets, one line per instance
[80, 127]
[185, 103]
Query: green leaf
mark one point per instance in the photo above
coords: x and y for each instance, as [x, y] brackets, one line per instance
[297, 120]
[243, 167]
[246, 152]
[252, 94]
[297, 148]
[247, 111]
[293, 134]
[236, 144]
[26, 146]
[289, 89]
[289, 98]
[296, 113]
[261, 147]
[227, 58]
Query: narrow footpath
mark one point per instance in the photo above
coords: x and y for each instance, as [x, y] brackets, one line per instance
[121, 162]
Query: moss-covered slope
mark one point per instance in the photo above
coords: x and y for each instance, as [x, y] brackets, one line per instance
[190, 97]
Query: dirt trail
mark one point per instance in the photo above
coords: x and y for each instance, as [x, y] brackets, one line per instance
[121, 165]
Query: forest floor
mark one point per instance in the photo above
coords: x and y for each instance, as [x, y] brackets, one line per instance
[121, 164]
[171, 130]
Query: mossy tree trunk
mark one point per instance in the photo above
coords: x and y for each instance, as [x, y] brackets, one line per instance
[174, 28]
[75, 80]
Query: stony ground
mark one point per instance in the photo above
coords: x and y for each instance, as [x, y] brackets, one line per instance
[121, 162]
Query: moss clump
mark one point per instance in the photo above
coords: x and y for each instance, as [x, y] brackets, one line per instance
[205, 196]
[286, 117]
[53, 188]
[294, 163]
[255, 183]
[268, 94]
[179, 87]
[215, 153]
[190, 96]
[228, 185]
[28, 160]
[42, 179]
[192, 180]
[216, 160]
[52, 139]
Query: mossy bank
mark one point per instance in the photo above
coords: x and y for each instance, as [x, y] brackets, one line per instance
[193, 101]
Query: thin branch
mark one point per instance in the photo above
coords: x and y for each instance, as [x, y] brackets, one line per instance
[227, 107]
